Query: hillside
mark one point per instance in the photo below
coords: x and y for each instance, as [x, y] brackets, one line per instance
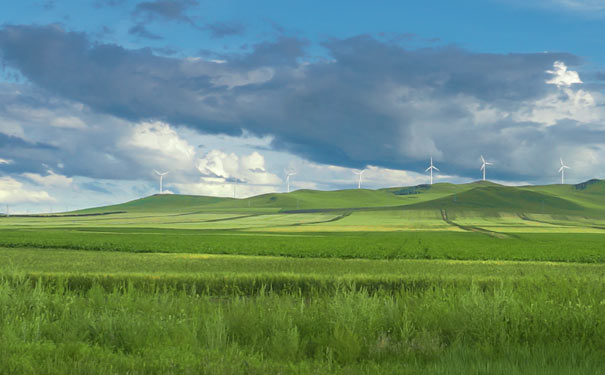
[481, 196]
[158, 203]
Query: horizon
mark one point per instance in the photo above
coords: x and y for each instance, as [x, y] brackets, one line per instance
[97, 95]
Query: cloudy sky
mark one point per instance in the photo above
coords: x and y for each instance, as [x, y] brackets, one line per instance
[229, 95]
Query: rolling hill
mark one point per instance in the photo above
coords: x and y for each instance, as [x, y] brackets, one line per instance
[586, 199]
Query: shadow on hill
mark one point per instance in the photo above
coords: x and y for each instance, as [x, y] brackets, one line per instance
[501, 199]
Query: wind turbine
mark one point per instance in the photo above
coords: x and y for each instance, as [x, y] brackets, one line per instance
[431, 168]
[562, 171]
[288, 174]
[484, 166]
[359, 173]
[161, 179]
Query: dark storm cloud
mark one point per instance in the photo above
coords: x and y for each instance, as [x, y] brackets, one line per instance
[170, 10]
[367, 102]
[224, 29]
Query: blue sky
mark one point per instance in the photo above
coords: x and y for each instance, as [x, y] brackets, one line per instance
[96, 94]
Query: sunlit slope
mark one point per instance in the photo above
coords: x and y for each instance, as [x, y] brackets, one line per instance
[159, 203]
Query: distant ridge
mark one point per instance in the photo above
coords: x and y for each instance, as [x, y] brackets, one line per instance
[586, 199]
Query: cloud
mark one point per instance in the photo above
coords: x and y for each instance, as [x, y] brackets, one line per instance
[170, 10]
[562, 76]
[68, 122]
[159, 145]
[224, 29]
[108, 3]
[218, 166]
[367, 102]
[141, 31]
[5, 161]
[51, 179]
[229, 174]
[13, 192]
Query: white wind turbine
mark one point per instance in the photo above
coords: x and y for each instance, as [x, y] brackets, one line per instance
[161, 179]
[359, 173]
[562, 171]
[288, 174]
[484, 166]
[430, 169]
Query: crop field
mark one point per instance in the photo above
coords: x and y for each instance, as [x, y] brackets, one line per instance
[450, 279]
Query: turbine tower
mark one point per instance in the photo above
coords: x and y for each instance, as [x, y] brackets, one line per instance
[161, 179]
[430, 169]
[359, 173]
[484, 166]
[562, 171]
[288, 174]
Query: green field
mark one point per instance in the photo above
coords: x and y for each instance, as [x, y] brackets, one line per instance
[445, 279]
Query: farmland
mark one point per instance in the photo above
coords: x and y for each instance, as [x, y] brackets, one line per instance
[476, 278]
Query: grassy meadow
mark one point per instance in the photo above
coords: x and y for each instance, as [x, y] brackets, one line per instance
[444, 279]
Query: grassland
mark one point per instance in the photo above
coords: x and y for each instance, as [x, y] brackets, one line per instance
[449, 279]
[512, 328]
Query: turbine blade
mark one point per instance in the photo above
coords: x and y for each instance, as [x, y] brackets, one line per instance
[437, 169]
[483, 160]
[483, 166]
[428, 169]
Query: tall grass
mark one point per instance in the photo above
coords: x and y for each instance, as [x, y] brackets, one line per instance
[52, 327]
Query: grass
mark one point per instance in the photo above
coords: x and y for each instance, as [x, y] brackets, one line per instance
[566, 247]
[512, 329]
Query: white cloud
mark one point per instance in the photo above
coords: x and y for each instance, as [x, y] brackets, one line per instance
[5, 161]
[566, 103]
[13, 191]
[562, 76]
[157, 145]
[160, 138]
[229, 174]
[231, 167]
[52, 179]
[68, 122]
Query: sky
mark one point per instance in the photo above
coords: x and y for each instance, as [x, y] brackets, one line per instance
[230, 96]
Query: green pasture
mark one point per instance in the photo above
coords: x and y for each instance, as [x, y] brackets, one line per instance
[61, 261]
[462, 245]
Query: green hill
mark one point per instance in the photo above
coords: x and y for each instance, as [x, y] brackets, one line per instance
[582, 199]
[159, 203]
[503, 199]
